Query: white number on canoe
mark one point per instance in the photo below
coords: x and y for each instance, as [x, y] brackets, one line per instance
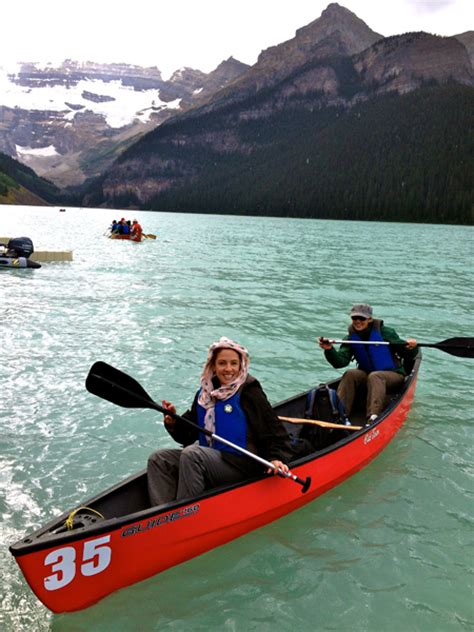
[98, 553]
[96, 557]
[63, 563]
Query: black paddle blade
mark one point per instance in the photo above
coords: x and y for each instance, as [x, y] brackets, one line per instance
[460, 347]
[117, 387]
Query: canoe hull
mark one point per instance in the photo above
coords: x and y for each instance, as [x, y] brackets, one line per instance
[126, 237]
[73, 570]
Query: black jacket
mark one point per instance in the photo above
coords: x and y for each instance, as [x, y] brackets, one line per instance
[266, 435]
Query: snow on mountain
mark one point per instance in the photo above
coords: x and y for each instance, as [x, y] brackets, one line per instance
[68, 122]
[41, 151]
[119, 105]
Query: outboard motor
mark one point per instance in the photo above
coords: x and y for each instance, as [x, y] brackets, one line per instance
[16, 254]
[23, 246]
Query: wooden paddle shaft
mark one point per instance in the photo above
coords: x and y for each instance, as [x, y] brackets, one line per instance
[318, 422]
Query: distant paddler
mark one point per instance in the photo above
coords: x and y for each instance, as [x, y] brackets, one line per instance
[136, 231]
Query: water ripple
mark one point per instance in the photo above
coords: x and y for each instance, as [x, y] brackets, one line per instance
[386, 548]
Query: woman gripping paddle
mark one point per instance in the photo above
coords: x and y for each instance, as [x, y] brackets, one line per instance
[379, 368]
[232, 404]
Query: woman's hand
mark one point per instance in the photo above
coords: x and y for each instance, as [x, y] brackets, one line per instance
[324, 343]
[279, 466]
[168, 419]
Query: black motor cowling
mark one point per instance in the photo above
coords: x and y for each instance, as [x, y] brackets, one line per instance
[23, 246]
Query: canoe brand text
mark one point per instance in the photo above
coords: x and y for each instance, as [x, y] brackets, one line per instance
[185, 512]
[371, 435]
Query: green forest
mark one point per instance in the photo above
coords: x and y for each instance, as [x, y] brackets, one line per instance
[393, 158]
[13, 174]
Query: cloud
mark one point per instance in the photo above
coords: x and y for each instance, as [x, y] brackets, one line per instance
[423, 7]
[199, 34]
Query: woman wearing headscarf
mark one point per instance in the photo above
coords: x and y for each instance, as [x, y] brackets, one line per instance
[231, 404]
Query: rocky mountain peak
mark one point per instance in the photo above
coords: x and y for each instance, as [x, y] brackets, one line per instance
[231, 66]
[337, 20]
[226, 72]
[186, 74]
[337, 31]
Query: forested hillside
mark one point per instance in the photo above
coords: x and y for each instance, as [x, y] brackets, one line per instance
[394, 158]
[19, 183]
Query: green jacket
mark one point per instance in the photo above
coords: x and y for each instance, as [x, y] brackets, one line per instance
[341, 357]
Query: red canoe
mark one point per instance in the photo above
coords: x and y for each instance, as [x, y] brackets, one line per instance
[117, 539]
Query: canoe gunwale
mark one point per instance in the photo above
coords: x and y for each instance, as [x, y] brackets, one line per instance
[46, 540]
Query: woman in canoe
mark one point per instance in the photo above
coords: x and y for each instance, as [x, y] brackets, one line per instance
[232, 404]
[379, 367]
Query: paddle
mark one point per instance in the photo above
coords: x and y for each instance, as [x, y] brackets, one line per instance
[318, 422]
[119, 388]
[461, 347]
[149, 235]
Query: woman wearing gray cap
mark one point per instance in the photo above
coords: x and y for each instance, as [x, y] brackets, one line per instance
[379, 367]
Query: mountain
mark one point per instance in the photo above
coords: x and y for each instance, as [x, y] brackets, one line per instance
[467, 40]
[338, 32]
[21, 185]
[70, 122]
[328, 106]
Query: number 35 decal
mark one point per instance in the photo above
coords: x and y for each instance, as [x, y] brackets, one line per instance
[96, 557]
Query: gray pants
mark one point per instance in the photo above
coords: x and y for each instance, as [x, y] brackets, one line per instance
[183, 473]
[377, 383]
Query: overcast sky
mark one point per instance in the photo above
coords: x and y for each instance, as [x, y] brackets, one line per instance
[170, 34]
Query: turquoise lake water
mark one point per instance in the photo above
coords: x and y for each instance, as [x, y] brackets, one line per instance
[389, 550]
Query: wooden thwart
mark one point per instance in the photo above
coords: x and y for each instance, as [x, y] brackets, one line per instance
[318, 422]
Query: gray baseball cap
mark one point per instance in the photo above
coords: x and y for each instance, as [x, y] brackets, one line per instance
[361, 309]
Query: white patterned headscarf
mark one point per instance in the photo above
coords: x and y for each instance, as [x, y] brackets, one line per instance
[209, 394]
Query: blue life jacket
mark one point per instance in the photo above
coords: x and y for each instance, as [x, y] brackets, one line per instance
[231, 424]
[373, 357]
